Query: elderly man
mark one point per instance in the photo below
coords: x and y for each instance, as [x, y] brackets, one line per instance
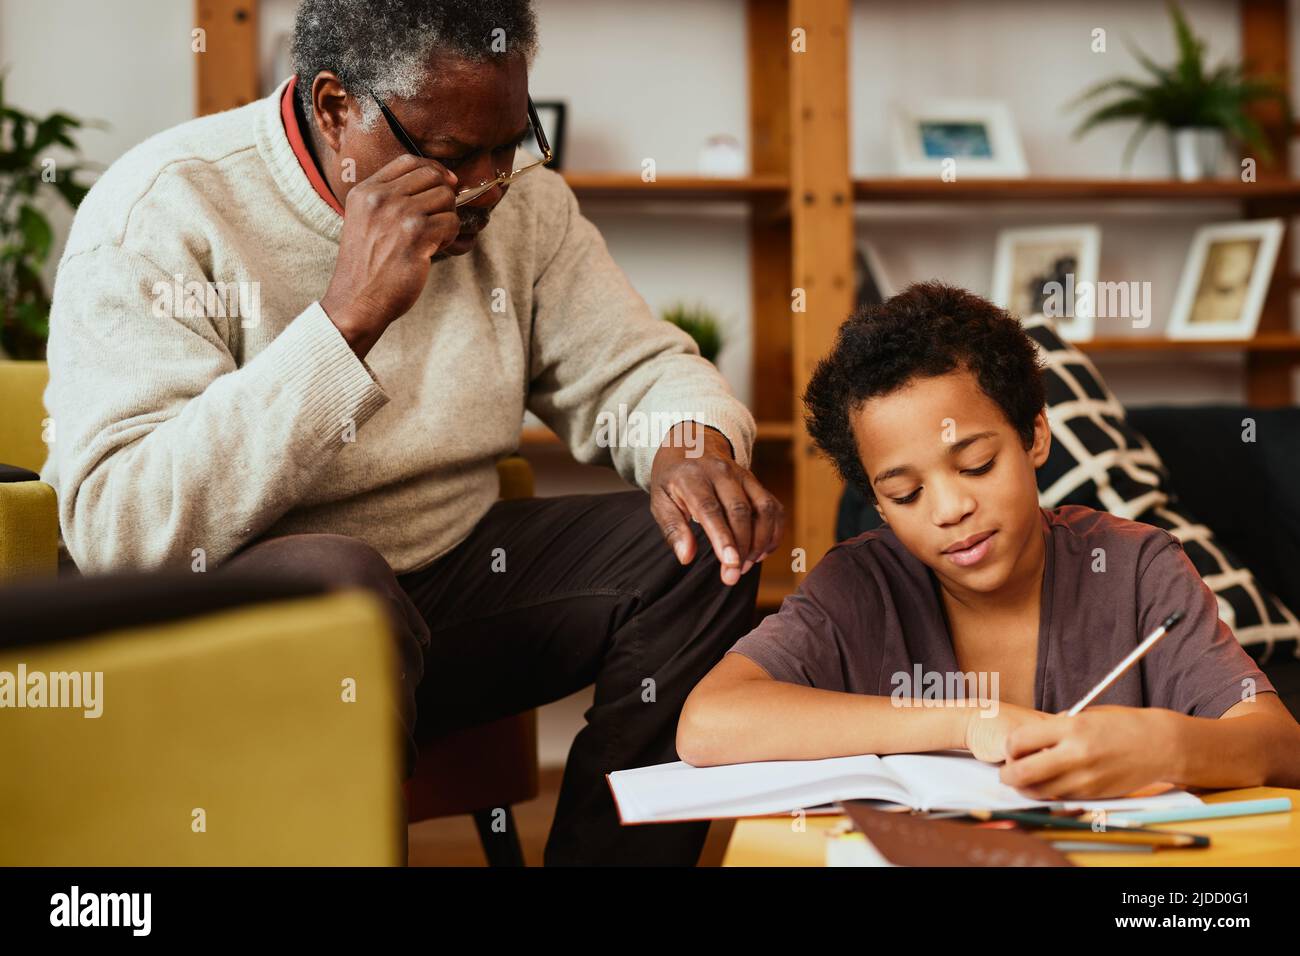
[343, 415]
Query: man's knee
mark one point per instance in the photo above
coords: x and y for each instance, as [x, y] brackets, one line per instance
[335, 560]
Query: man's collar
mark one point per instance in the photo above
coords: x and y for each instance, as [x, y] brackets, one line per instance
[294, 131]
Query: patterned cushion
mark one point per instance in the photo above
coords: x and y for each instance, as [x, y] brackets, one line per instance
[1098, 460]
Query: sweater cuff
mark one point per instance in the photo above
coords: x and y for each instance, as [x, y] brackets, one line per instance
[728, 416]
[313, 360]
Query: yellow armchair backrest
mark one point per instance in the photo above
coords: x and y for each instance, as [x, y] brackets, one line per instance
[22, 413]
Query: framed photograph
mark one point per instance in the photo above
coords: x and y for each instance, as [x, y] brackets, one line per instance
[979, 135]
[552, 113]
[1225, 280]
[871, 285]
[1045, 271]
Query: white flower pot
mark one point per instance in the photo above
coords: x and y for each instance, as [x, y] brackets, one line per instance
[1195, 152]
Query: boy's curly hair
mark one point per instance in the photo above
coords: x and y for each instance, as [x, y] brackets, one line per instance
[926, 330]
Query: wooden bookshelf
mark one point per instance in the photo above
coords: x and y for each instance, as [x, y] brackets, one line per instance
[1266, 342]
[1073, 190]
[802, 199]
[689, 188]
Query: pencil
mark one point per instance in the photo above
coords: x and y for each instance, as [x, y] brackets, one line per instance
[1084, 831]
[1205, 811]
[1080, 846]
[1049, 821]
[1146, 837]
[1133, 657]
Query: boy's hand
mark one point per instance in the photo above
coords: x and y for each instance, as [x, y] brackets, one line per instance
[987, 736]
[1101, 752]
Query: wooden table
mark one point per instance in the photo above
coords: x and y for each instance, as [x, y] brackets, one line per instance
[1271, 839]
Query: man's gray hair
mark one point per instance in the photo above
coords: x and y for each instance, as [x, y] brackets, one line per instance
[387, 45]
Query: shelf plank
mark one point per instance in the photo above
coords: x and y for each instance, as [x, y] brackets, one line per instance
[1269, 342]
[1058, 190]
[589, 185]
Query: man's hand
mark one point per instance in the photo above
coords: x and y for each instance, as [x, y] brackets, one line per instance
[1100, 752]
[690, 482]
[988, 733]
[393, 222]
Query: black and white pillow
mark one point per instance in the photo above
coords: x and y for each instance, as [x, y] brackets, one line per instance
[1097, 459]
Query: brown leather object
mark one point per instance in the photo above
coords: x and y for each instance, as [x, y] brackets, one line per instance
[478, 768]
[907, 840]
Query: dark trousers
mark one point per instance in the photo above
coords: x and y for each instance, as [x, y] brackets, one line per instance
[547, 596]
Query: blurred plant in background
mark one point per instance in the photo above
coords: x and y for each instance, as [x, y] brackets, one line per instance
[701, 324]
[27, 173]
[1186, 100]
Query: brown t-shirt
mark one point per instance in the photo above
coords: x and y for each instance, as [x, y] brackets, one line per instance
[870, 610]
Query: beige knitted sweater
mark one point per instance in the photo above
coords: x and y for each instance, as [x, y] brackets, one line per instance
[190, 419]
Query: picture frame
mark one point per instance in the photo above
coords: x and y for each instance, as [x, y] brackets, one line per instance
[1225, 280]
[1027, 261]
[980, 135]
[554, 116]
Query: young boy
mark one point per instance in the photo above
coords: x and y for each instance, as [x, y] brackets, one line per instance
[933, 405]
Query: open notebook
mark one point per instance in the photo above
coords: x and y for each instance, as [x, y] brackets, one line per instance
[678, 791]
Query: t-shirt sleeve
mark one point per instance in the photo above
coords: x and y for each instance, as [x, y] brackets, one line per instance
[808, 640]
[1199, 668]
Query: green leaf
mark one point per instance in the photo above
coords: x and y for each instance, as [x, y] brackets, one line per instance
[1161, 74]
[34, 317]
[1120, 110]
[1183, 95]
[1135, 140]
[1189, 47]
[36, 232]
[72, 192]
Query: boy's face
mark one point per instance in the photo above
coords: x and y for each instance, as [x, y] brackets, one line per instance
[947, 466]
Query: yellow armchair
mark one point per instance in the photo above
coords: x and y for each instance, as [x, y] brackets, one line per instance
[29, 517]
[223, 738]
[474, 771]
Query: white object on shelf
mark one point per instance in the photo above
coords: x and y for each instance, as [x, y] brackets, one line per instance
[722, 156]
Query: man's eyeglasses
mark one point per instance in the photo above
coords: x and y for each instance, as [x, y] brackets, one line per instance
[471, 193]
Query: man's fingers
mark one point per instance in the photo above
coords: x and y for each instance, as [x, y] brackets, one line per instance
[430, 233]
[698, 499]
[739, 512]
[427, 176]
[769, 518]
[401, 165]
[438, 199]
[675, 525]
[395, 167]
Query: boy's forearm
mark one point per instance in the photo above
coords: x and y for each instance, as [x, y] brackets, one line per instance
[773, 720]
[1248, 751]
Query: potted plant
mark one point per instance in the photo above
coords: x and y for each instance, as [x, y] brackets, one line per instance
[1198, 109]
[701, 324]
[27, 174]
